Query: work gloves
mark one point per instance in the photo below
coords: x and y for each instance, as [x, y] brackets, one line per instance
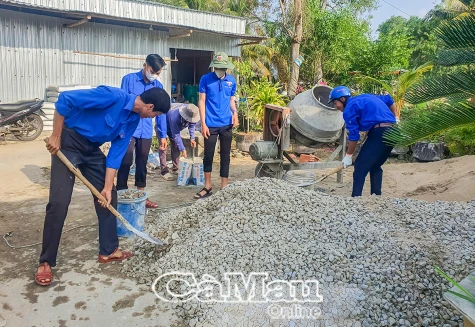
[347, 161]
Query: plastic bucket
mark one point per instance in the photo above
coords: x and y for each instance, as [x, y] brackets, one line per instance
[133, 210]
[301, 178]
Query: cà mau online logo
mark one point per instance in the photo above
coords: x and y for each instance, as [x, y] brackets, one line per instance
[236, 288]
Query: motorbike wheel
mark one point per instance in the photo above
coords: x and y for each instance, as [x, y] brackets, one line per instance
[32, 128]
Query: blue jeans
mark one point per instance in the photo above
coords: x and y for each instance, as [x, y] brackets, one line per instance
[372, 156]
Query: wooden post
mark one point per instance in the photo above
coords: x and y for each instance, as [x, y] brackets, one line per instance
[342, 154]
[194, 70]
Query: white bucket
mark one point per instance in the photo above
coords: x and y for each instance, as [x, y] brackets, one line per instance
[301, 178]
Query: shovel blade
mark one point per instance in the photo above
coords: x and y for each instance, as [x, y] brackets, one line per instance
[139, 233]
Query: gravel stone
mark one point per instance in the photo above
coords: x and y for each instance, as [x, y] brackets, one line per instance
[374, 256]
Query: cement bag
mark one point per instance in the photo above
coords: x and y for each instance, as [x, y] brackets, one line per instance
[184, 171]
[198, 174]
[153, 160]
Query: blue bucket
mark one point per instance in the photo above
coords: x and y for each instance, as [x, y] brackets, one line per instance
[133, 210]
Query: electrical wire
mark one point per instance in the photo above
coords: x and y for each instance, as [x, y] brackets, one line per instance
[396, 8]
[10, 234]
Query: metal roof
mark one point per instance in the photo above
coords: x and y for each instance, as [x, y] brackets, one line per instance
[145, 12]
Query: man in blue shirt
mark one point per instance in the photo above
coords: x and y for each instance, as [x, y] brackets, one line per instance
[180, 116]
[137, 83]
[218, 116]
[83, 121]
[372, 113]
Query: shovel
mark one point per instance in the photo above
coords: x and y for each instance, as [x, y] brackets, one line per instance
[94, 191]
[334, 171]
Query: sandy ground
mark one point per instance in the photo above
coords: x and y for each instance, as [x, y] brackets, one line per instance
[85, 293]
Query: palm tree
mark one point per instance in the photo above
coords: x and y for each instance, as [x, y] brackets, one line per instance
[263, 58]
[452, 9]
[402, 84]
[454, 89]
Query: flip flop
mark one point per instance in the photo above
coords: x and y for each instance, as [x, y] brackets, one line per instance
[125, 255]
[44, 276]
[150, 205]
[208, 193]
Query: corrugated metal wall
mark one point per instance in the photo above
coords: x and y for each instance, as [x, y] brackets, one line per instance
[146, 11]
[36, 51]
[31, 56]
[117, 40]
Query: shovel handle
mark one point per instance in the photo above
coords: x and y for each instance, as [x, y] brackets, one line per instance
[83, 179]
[334, 171]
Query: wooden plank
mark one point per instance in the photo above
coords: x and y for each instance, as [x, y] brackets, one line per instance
[115, 56]
[79, 22]
[335, 153]
[466, 308]
[342, 154]
[285, 135]
[312, 165]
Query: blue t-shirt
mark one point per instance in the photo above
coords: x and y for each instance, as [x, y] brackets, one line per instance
[134, 83]
[101, 115]
[364, 111]
[218, 99]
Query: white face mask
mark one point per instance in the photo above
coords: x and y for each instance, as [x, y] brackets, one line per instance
[150, 77]
[220, 73]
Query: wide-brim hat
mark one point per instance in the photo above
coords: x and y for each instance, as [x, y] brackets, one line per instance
[190, 113]
[221, 60]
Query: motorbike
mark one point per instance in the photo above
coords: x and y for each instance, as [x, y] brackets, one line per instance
[22, 119]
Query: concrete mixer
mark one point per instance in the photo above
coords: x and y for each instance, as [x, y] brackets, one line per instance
[307, 120]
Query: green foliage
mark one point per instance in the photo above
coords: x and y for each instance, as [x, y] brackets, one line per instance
[262, 57]
[261, 93]
[456, 87]
[458, 37]
[466, 295]
[420, 34]
[332, 39]
[400, 86]
[439, 119]
[243, 69]
[459, 85]
[451, 9]
[460, 140]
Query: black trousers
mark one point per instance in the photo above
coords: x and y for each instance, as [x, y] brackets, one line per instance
[372, 156]
[89, 159]
[175, 153]
[141, 148]
[225, 135]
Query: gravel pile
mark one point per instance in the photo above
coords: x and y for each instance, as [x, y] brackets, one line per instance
[373, 256]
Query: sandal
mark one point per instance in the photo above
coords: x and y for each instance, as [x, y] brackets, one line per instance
[43, 276]
[150, 205]
[200, 196]
[125, 255]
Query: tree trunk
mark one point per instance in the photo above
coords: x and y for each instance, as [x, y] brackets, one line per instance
[318, 69]
[295, 47]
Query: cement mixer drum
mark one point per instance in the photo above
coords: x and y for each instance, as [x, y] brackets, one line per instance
[312, 120]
